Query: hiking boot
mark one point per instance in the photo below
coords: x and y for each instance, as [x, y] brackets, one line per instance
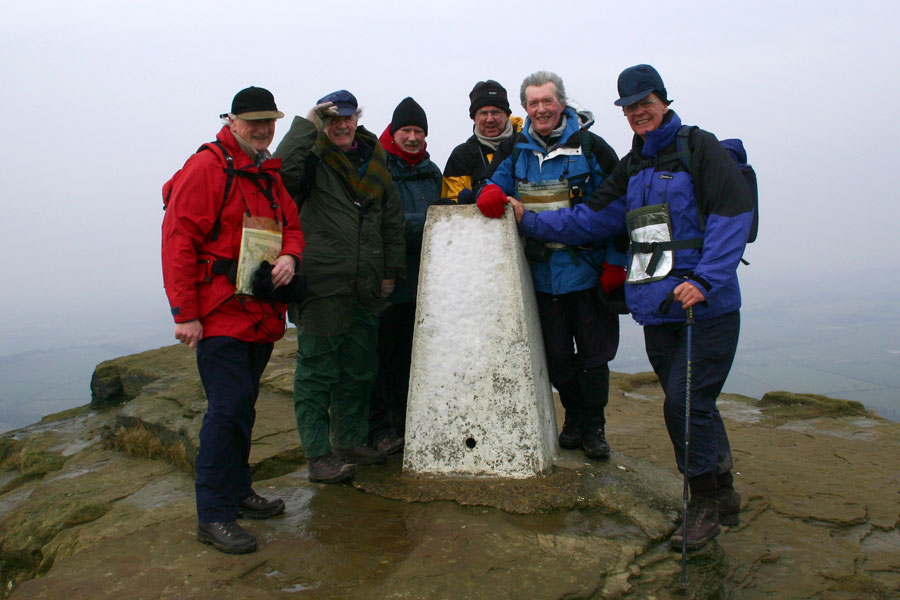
[329, 469]
[569, 437]
[226, 536]
[595, 445]
[702, 524]
[729, 506]
[360, 455]
[390, 444]
[257, 507]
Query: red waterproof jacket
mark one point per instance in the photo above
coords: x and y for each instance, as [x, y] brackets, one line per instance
[195, 197]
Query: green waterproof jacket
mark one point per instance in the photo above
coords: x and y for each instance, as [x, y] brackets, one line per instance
[351, 245]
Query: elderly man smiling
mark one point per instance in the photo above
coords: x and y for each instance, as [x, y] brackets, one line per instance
[555, 163]
[337, 172]
[207, 207]
[494, 132]
[418, 182]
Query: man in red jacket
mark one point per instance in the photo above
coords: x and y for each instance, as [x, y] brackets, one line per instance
[224, 209]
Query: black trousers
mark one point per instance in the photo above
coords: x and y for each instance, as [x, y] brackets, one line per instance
[580, 338]
[387, 411]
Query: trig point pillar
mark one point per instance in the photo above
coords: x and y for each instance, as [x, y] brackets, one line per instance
[479, 395]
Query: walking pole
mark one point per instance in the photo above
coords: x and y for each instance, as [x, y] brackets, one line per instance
[688, 322]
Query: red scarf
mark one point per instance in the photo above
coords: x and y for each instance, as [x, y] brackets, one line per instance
[391, 147]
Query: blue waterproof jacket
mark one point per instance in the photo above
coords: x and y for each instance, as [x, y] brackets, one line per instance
[726, 204]
[574, 269]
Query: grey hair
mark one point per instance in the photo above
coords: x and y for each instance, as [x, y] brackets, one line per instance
[539, 78]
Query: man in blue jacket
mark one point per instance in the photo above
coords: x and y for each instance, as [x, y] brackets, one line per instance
[687, 234]
[556, 162]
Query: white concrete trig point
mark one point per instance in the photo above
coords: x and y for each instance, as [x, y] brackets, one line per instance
[479, 396]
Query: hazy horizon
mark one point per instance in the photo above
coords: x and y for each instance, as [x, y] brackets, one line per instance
[105, 100]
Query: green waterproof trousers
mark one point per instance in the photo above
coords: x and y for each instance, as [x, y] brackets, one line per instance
[333, 385]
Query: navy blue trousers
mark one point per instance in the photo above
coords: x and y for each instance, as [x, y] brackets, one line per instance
[230, 370]
[712, 352]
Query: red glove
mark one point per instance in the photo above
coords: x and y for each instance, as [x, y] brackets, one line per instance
[612, 277]
[492, 201]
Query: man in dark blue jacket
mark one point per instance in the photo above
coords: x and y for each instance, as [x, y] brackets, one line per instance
[687, 238]
[418, 181]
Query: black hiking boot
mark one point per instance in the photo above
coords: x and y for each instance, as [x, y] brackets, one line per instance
[226, 536]
[729, 506]
[702, 524]
[360, 455]
[569, 437]
[257, 507]
[595, 445]
[329, 469]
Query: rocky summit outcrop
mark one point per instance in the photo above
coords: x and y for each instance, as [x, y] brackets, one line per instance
[98, 502]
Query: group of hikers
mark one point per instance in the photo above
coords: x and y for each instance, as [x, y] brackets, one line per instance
[659, 234]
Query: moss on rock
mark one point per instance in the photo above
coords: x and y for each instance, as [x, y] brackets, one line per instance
[790, 406]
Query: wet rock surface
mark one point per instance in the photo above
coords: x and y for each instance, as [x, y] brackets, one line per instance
[100, 504]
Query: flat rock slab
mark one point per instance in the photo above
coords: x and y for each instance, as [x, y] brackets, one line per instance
[103, 524]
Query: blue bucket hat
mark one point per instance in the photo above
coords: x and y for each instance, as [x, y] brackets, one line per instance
[637, 82]
[344, 101]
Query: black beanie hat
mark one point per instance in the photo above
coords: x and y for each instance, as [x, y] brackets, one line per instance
[408, 112]
[488, 93]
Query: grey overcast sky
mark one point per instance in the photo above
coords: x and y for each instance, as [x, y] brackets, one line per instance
[103, 100]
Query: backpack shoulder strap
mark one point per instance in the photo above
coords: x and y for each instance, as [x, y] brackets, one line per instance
[229, 180]
[229, 170]
[586, 150]
[683, 142]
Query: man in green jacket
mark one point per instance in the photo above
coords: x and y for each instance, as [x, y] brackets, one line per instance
[354, 227]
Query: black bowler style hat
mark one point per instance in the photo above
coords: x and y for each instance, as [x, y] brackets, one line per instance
[638, 82]
[253, 104]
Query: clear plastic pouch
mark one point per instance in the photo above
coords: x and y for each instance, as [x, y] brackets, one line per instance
[648, 225]
[260, 240]
[544, 195]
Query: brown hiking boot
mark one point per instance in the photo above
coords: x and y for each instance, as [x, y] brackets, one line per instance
[226, 536]
[702, 524]
[257, 507]
[360, 455]
[328, 469]
[729, 506]
[390, 444]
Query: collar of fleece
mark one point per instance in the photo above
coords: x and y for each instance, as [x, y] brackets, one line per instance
[663, 136]
[391, 147]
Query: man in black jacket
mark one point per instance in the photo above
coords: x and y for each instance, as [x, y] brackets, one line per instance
[494, 133]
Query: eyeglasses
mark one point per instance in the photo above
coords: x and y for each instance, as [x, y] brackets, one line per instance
[642, 104]
[492, 112]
